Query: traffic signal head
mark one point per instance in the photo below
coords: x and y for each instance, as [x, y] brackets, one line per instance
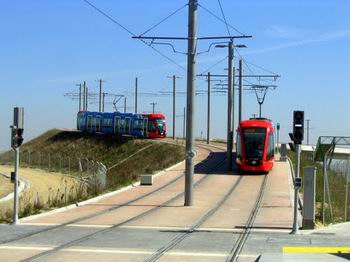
[298, 126]
[16, 137]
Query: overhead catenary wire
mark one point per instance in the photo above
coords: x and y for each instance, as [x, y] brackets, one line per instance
[223, 16]
[214, 65]
[132, 34]
[220, 19]
[164, 19]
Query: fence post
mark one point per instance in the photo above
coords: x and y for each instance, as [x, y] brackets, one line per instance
[49, 162]
[29, 159]
[347, 190]
[39, 160]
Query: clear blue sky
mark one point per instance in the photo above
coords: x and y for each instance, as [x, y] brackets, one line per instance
[49, 46]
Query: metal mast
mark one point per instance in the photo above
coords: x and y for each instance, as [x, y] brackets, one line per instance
[191, 81]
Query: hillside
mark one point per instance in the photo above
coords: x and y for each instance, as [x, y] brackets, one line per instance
[66, 151]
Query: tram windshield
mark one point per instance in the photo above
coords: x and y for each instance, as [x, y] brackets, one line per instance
[254, 140]
[157, 124]
[161, 124]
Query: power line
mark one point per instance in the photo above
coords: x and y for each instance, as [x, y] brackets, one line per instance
[164, 19]
[220, 19]
[223, 16]
[131, 33]
[214, 65]
[262, 68]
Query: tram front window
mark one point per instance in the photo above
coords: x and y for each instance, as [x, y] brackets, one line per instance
[254, 140]
[160, 124]
[151, 125]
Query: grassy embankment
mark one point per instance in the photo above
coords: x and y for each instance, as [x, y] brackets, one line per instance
[63, 148]
[336, 188]
[5, 186]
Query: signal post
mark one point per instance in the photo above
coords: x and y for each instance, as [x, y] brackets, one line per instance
[297, 137]
[16, 141]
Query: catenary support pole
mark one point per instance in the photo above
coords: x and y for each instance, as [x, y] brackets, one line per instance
[208, 113]
[80, 97]
[84, 96]
[240, 91]
[233, 107]
[100, 97]
[191, 82]
[103, 101]
[136, 84]
[124, 104]
[153, 106]
[87, 98]
[229, 106]
[174, 107]
[184, 125]
[307, 130]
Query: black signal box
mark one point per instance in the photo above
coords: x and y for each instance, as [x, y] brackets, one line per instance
[298, 127]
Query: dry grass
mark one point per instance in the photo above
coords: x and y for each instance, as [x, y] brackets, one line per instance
[76, 145]
[5, 186]
[336, 187]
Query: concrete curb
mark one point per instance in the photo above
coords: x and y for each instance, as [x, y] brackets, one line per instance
[23, 185]
[95, 199]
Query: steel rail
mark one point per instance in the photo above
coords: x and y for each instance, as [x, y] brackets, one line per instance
[180, 237]
[242, 238]
[141, 215]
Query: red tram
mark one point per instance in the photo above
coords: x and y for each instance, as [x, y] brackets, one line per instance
[255, 145]
[156, 125]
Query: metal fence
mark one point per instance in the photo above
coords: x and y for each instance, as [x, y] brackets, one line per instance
[92, 174]
[335, 206]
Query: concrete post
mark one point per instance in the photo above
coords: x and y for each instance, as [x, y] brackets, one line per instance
[309, 197]
[283, 152]
[191, 91]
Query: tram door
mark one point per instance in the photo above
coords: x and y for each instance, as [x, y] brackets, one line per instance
[127, 125]
[97, 124]
[89, 123]
[117, 125]
[145, 127]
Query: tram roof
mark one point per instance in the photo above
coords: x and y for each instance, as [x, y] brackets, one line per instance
[256, 122]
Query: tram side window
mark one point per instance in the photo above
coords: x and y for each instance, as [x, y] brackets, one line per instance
[107, 122]
[89, 121]
[239, 147]
[122, 123]
[127, 124]
[81, 121]
[138, 124]
[271, 148]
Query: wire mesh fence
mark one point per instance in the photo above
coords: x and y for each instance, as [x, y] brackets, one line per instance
[335, 204]
[90, 175]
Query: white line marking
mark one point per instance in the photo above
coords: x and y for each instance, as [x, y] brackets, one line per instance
[116, 251]
[212, 229]
[249, 255]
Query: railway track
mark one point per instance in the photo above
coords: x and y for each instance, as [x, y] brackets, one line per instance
[237, 248]
[179, 238]
[243, 236]
[134, 218]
